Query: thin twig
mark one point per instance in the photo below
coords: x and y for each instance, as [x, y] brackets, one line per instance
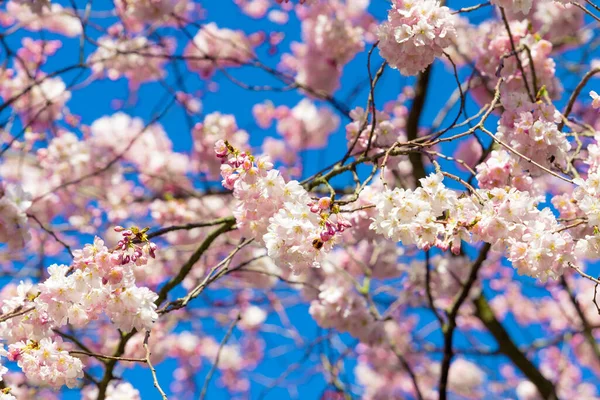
[152, 369]
[216, 363]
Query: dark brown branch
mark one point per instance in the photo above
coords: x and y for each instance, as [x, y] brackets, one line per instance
[449, 328]
[575, 94]
[412, 123]
[187, 267]
[509, 349]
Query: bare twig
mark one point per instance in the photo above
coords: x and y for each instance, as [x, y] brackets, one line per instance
[216, 362]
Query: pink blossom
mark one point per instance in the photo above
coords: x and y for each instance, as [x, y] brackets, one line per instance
[415, 34]
[214, 48]
[470, 152]
[595, 99]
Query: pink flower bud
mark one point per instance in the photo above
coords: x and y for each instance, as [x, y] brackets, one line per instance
[325, 236]
[343, 225]
[314, 207]
[330, 228]
[152, 250]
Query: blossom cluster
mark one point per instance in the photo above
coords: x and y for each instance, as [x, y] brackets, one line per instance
[303, 127]
[295, 229]
[491, 51]
[412, 216]
[535, 135]
[339, 306]
[585, 203]
[114, 391]
[216, 126]
[534, 241]
[99, 281]
[14, 203]
[39, 100]
[136, 13]
[36, 52]
[522, 6]
[388, 129]
[66, 157]
[47, 16]
[332, 34]
[213, 48]
[559, 21]
[46, 362]
[147, 147]
[137, 58]
[503, 169]
[415, 33]
[433, 215]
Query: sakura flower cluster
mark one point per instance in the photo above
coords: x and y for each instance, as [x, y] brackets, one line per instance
[502, 169]
[14, 203]
[586, 199]
[44, 15]
[295, 229]
[39, 100]
[415, 33]
[535, 135]
[535, 242]
[146, 146]
[490, 49]
[214, 48]
[433, 215]
[339, 306]
[332, 34]
[137, 58]
[216, 126]
[136, 13]
[303, 127]
[47, 362]
[522, 6]
[388, 129]
[559, 21]
[412, 216]
[99, 281]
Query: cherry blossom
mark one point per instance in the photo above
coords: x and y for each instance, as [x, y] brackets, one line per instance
[214, 48]
[415, 34]
[595, 99]
[14, 203]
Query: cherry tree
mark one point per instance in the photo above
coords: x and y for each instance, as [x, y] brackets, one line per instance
[160, 238]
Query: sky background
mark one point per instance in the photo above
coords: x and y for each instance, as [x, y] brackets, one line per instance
[97, 100]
